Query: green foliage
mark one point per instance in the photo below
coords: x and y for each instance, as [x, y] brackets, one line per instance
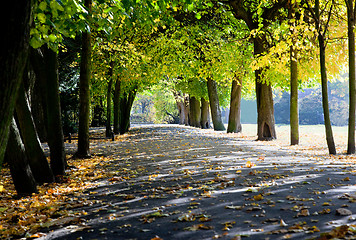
[54, 20]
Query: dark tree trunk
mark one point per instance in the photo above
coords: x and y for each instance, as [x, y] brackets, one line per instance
[264, 98]
[294, 112]
[234, 125]
[204, 120]
[36, 157]
[117, 93]
[13, 56]
[108, 103]
[214, 105]
[352, 75]
[54, 119]
[84, 92]
[324, 84]
[325, 100]
[194, 112]
[38, 109]
[126, 102]
[22, 177]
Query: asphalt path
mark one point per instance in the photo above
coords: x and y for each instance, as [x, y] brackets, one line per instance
[177, 182]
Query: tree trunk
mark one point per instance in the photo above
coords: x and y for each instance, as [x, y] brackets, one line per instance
[36, 157]
[53, 112]
[352, 76]
[324, 84]
[54, 120]
[22, 177]
[108, 103]
[264, 98]
[13, 56]
[294, 112]
[126, 102]
[38, 108]
[204, 120]
[180, 105]
[186, 110]
[194, 112]
[117, 93]
[84, 92]
[214, 105]
[234, 125]
[324, 93]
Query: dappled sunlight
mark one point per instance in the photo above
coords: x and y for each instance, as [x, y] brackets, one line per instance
[178, 182]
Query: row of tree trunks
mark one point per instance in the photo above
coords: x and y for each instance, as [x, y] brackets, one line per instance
[13, 57]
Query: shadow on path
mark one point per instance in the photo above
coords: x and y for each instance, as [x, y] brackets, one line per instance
[177, 182]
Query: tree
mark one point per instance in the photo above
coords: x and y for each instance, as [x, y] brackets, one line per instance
[267, 13]
[205, 114]
[234, 123]
[21, 173]
[322, 28]
[294, 112]
[194, 112]
[84, 92]
[214, 105]
[109, 131]
[45, 65]
[351, 21]
[13, 58]
[34, 152]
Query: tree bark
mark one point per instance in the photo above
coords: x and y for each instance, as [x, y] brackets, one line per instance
[35, 155]
[117, 93]
[186, 110]
[38, 108]
[13, 56]
[194, 112]
[325, 100]
[294, 112]
[54, 119]
[22, 177]
[108, 102]
[204, 120]
[352, 75]
[324, 84]
[84, 92]
[126, 102]
[214, 105]
[264, 98]
[234, 125]
[181, 106]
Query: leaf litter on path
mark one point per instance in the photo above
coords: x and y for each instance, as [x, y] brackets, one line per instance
[191, 182]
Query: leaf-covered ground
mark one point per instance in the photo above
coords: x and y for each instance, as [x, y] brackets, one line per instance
[176, 182]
